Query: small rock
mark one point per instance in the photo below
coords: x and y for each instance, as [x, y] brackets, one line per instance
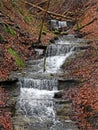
[59, 94]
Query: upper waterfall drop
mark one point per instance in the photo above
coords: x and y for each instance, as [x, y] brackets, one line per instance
[56, 24]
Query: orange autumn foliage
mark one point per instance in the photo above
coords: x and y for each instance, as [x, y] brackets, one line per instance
[85, 97]
[5, 116]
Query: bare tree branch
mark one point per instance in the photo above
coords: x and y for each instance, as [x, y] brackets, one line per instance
[43, 21]
[49, 12]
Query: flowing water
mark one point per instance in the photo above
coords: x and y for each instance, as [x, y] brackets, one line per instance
[36, 104]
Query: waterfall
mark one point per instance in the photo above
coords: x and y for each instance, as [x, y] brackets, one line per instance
[41, 84]
[56, 25]
[56, 54]
[57, 49]
[36, 92]
[36, 98]
[54, 63]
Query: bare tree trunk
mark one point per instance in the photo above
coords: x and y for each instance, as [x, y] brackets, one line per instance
[44, 64]
[39, 38]
[44, 67]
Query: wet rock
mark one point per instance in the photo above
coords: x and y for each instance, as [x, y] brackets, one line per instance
[63, 107]
[40, 126]
[25, 123]
[70, 24]
[54, 39]
[64, 33]
[20, 124]
[81, 47]
[10, 80]
[79, 35]
[44, 33]
[13, 92]
[56, 32]
[37, 46]
[64, 126]
[67, 83]
[64, 110]
[59, 94]
[62, 101]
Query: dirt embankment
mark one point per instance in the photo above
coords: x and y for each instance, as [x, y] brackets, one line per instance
[88, 23]
[18, 30]
[85, 68]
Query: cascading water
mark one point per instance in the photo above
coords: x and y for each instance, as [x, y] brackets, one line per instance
[36, 94]
[56, 25]
[36, 97]
[36, 101]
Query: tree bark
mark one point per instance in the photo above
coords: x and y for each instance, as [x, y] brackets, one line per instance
[39, 38]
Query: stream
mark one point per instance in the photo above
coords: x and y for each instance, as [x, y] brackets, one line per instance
[36, 108]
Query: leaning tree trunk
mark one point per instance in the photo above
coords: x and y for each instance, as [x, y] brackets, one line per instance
[44, 67]
[40, 33]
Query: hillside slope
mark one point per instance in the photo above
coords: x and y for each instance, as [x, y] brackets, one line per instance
[18, 30]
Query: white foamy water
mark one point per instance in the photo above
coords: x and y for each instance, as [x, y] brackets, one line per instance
[36, 98]
[54, 63]
[56, 56]
[37, 103]
[63, 42]
[40, 84]
[55, 24]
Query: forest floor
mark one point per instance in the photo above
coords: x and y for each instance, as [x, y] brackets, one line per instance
[84, 67]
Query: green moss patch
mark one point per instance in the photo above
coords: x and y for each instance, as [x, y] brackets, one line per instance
[18, 60]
